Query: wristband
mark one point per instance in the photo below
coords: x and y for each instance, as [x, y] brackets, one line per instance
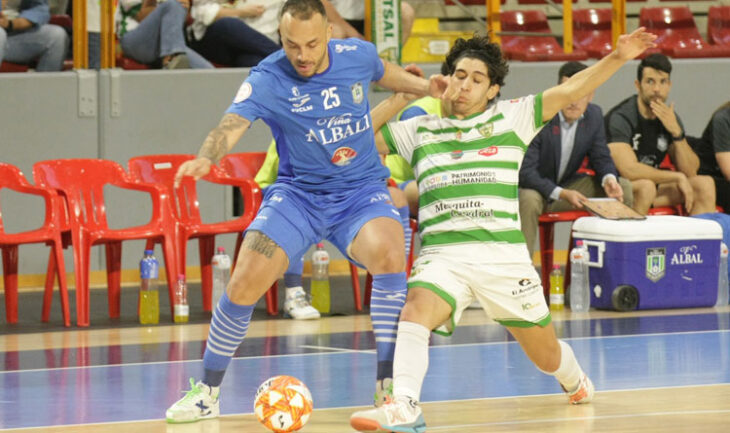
[10, 26]
[680, 137]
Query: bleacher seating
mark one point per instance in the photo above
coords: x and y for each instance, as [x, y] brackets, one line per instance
[718, 25]
[592, 31]
[677, 33]
[532, 48]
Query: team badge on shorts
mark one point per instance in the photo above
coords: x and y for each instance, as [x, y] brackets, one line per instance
[343, 156]
[357, 93]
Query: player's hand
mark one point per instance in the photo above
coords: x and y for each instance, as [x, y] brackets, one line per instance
[613, 189]
[686, 189]
[448, 96]
[573, 197]
[247, 11]
[415, 70]
[437, 85]
[665, 114]
[631, 45]
[196, 168]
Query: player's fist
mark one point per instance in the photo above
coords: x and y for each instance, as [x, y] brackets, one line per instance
[196, 168]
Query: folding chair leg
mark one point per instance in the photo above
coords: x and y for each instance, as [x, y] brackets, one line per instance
[81, 267]
[113, 277]
[546, 255]
[272, 299]
[48, 291]
[60, 266]
[10, 277]
[368, 288]
[170, 252]
[355, 280]
[206, 247]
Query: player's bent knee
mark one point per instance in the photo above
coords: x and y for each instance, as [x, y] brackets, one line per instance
[388, 259]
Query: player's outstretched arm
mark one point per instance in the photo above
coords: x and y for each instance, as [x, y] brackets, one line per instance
[218, 142]
[628, 47]
[398, 79]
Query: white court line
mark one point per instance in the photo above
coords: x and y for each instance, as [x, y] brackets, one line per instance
[337, 351]
[580, 418]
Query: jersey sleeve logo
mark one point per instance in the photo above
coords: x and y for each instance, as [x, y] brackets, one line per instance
[342, 47]
[243, 92]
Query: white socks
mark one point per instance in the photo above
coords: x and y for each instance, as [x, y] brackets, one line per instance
[411, 360]
[569, 371]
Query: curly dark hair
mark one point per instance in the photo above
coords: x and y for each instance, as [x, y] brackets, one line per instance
[480, 48]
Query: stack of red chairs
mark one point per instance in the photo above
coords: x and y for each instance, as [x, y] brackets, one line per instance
[592, 31]
[718, 25]
[677, 34]
[532, 48]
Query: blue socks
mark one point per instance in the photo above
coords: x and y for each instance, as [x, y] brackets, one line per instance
[405, 218]
[227, 329]
[293, 274]
[386, 302]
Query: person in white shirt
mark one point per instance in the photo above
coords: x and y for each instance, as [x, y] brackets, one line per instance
[230, 34]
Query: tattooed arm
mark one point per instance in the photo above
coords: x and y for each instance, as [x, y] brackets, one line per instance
[218, 142]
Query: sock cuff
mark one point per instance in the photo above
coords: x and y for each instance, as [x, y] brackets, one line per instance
[392, 282]
[414, 329]
[234, 310]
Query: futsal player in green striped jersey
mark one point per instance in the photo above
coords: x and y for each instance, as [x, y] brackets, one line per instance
[467, 168]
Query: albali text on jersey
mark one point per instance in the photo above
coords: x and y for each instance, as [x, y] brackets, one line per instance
[321, 124]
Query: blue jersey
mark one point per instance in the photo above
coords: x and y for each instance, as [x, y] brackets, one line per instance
[321, 124]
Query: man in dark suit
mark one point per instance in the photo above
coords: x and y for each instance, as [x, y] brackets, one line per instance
[549, 177]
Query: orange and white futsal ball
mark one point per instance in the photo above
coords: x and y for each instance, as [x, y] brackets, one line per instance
[283, 404]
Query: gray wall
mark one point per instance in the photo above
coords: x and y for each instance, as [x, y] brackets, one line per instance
[120, 114]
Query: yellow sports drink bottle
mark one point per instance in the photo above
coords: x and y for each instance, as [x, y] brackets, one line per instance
[557, 289]
[321, 280]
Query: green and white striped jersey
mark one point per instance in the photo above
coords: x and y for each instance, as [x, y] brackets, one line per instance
[467, 172]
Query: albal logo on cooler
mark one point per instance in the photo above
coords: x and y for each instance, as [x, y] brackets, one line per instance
[687, 255]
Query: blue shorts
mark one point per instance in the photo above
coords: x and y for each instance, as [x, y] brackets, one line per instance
[295, 219]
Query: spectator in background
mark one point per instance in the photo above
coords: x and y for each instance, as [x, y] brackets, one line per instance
[713, 149]
[348, 18]
[26, 36]
[219, 33]
[152, 33]
[549, 176]
[642, 130]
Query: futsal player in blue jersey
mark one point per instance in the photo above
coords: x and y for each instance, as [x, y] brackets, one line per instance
[330, 185]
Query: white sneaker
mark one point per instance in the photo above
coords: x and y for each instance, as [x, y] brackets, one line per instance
[584, 392]
[402, 414]
[198, 403]
[297, 306]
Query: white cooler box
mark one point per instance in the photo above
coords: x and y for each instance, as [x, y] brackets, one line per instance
[660, 262]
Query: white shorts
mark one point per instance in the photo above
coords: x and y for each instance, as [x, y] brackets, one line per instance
[510, 294]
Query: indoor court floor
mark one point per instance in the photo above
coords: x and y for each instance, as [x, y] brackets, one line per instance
[655, 371]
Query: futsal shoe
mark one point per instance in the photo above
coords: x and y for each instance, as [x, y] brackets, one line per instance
[297, 307]
[383, 391]
[402, 414]
[198, 403]
[584, 392]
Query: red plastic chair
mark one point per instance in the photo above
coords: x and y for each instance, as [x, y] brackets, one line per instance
[81, 182]
[49, 233]
[160, 170]
[532, 48]
[718, 25]
[245, 165]
[677, 34]
[592, 31]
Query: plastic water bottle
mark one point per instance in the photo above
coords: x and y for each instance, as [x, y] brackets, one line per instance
[580, 291]
[149, 297]
[181, 308]
[320, 279]
[221, 274]
[557, 289]
[722, 286]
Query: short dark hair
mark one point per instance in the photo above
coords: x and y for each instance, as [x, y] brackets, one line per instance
[657, 61]
[480, 48]
[569, 69]
[303, 9]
